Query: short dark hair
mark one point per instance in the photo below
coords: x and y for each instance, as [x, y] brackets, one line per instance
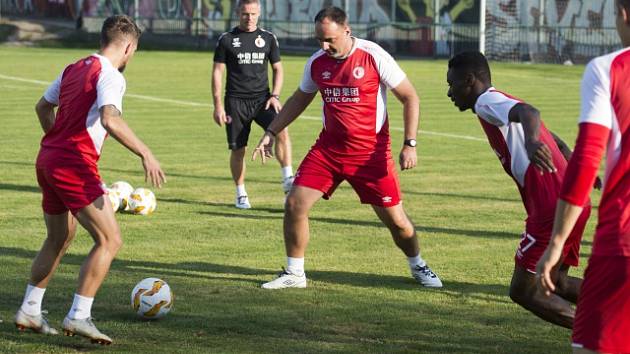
[471, 62]
[118, 26]
[334, 14]
[625, 4]
[246, 2]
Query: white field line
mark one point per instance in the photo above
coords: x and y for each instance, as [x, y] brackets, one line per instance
[197, 104]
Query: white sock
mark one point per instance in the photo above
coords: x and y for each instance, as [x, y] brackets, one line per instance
[295, 265]
[287, 171]
[240, 190]
[32, 304]
[416, 261]
[81, 307]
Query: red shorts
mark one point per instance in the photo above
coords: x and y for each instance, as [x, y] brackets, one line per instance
[532, 247]
[68, 188]
[376, 182]
[602, 318]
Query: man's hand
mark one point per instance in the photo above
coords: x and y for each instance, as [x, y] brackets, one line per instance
[545, 265]
[274, 102]
[264, 148]
[152, 170]
[540, 155]
[220, 117]
[408, 158]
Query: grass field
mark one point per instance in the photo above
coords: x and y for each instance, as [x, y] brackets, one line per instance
[360, 296]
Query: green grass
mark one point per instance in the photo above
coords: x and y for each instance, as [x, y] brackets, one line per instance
[360, 296]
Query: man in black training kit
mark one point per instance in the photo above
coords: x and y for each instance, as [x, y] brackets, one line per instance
[245, 50]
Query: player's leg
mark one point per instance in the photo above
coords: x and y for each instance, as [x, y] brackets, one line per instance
[237, 165]
[376, 183]
[282, 146]
[316, 177]
[567, 287]
[525, 292]
[238, 134]
[61, 229]
[299, 202]
[99, 220]
[404, 234]
[283, 154]
[296, 228]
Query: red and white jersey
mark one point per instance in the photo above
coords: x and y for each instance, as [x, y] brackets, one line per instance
[354, 95]
[538, 192]
[605, 125]
[80, 91]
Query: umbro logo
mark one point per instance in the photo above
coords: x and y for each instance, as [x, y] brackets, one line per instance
[387, 199]
[236, 43]
[288, 282]
[326, 75]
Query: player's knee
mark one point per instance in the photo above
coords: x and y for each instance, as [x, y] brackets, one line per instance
[401, 225]
[521, 294]
[294, 207]
[112, 242]
[517, 296]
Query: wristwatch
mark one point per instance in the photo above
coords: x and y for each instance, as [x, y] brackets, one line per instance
[411, 142]
[276, 97]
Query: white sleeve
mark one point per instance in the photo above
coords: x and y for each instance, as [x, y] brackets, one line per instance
[595, 92]
[388, 69]
[307, 84]
[110, 89]
[494, 107]
[52, 92]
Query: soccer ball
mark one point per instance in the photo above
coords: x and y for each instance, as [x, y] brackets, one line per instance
[152, 298]
[142, 201]
[124, 190]
[114, 198]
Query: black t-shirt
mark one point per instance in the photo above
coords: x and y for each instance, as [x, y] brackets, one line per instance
[246, 55]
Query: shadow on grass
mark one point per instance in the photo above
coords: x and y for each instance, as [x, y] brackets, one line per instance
[463, 196]
[139, 172]
[208, 270]
[19, 188]
[350, 222]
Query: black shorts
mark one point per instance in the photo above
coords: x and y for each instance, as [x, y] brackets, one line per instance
[243, 111]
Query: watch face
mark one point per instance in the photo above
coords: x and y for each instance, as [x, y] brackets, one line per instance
[411, 142]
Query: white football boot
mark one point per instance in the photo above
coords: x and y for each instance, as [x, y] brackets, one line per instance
[37, 323]
[425, 276]
[242, 202]
[85, 328]
[285, 280]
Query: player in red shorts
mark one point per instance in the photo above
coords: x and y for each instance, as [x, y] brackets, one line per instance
[352, 76]
[88, 96]
[602, 319]
[536, 160]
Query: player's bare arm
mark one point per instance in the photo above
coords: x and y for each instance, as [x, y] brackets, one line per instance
[111, 119]
[406, 94]
[46, 114]
[538, 152]
[567, 215]
[278, 78]
[295, 105]
[562, 146]
[217, 80]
